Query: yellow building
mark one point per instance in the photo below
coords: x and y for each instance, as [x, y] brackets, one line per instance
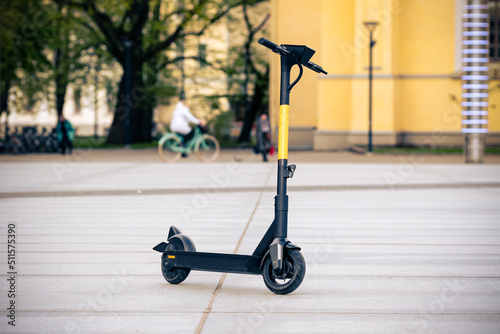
[417, 90]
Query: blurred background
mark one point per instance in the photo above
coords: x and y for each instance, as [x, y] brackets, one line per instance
[425, 72]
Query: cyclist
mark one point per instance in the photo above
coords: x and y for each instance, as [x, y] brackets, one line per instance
[181, 119]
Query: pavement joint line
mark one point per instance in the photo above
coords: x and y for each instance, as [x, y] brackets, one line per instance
[371, 313]
[195, 190]
[317, 277]
[336, 243]
[223, 278]
[253, 312]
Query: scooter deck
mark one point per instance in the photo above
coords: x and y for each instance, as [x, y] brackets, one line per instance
[218, 262]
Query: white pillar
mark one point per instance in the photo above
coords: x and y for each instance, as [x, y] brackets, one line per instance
[475, 79]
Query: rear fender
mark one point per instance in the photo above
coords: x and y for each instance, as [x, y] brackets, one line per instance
[175, 233]
[187, 242]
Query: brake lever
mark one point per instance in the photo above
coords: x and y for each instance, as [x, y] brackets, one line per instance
[316, 68]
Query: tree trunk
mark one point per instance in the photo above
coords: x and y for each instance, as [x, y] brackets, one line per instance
[251, 113]
[61, 78]
[4, 98]
[140, 107]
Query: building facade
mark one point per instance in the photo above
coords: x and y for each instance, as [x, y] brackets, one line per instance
[417, 81]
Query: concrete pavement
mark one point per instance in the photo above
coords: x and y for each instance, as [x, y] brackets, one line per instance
[404, 247]
[244, 154]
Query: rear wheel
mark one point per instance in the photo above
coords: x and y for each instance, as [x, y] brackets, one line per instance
[173, 275]
[208, 148]
[169, 148]
[294, 270]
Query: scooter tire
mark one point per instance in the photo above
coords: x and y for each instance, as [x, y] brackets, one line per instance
[175, 275]
[294, 266]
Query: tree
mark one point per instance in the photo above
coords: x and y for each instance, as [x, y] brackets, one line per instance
[42, 52]
[145, 29]
[75, 49]
[22, 44]
[260, 76]
[64, 56]
[249, 72]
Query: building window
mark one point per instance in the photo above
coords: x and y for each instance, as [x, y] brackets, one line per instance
[77, 96]
[202, 54]
[494, 7]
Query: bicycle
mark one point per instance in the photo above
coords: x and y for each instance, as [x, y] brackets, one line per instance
[170, 146]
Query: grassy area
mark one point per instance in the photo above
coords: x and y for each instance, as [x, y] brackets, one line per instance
[91, 142]
[426, 150]
[100, 143]
[493, 150]
[153, 144]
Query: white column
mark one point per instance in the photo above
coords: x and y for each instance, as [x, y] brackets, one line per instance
[475, 80]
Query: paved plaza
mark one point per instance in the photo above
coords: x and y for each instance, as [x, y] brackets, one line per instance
[411, 245]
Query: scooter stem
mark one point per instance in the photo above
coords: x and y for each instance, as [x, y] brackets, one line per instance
[289, 55]
[281, 200]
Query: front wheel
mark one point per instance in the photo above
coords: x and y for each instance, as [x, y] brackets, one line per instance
[208, 148]
[294, 270]
[173, 275]
[169, 148]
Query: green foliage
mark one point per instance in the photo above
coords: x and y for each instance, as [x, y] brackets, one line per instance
[45, 47]
[49, 44]
[91, 142]
[425, 150]
[85, 142]
[221, 126]
[493, 150]
[22, 45]
[248, 61]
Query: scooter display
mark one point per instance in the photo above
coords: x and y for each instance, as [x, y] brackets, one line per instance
[275, 258]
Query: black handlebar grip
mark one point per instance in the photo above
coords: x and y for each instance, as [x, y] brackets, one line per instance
[268, 44]
[315, 67]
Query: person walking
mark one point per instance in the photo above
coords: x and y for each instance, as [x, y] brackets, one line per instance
[65, 135]
[263, 133]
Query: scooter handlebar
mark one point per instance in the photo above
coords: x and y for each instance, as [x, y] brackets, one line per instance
[268, 44]
[274, 47]
[284, 52]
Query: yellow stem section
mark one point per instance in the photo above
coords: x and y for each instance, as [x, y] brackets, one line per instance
[283, 132]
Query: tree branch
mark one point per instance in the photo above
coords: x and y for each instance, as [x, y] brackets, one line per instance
[211, 21]
[142, 10]
[176, 59]
[245, 16]
[104, 23]
[179, 31]
[89, 27]
[251, 34]
[165, 43]
[261, 25]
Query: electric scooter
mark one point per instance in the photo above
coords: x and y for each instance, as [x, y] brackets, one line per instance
[278, 260]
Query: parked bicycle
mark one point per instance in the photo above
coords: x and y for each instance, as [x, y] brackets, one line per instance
[12, 142]
[28, 141]
[171, 146]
